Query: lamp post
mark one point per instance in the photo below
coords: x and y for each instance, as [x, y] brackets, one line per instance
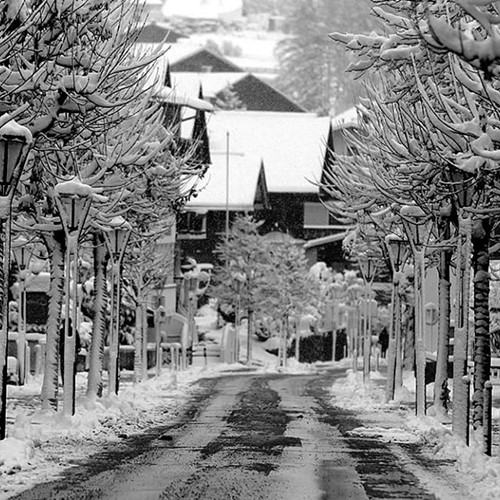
[15, 141]
[398, 253]
[73, 201]
[368, 267]
[415, 223]
[116, 239]
[22, 254]
[239, 279]
[250, 325]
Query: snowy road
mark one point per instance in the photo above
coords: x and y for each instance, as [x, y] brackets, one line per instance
[266, 437]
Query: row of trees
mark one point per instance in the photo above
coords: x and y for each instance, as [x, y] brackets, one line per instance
[428, 137]
[72, 75]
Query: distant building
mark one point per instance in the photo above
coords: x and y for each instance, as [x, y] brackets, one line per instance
[224, 10]
[186, 58]
[252, 93]
[156, 33]
[286, 151]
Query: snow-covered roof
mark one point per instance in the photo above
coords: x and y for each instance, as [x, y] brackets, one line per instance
[291, 145]
[348, 118]
[243, 181]
[177, 95]
[203, 9]
[212, 83]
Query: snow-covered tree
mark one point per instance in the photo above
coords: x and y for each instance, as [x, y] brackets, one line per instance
[394, 142]
[245, 264]
[290, 287]
[72, 76]
[438, 132]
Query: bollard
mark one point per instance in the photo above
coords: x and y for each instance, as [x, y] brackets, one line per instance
[38, 359]
[27, 363]
[205, 356]
[487, 407]
[183, 359]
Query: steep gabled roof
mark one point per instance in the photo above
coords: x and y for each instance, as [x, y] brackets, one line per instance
[200, 134]
[254, 93]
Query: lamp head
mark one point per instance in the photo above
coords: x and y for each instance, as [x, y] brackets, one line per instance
[15, 140]
[397, 249]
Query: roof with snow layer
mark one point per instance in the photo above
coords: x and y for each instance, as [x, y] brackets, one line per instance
[291, 145]
[246, 183]
[348, 118]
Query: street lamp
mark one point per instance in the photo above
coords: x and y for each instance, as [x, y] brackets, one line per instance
[73, 201]
[239, 279]
[116, 239]
[368, 267]
[22, 254]
[15, 141]
[415, 223]
[398, 252]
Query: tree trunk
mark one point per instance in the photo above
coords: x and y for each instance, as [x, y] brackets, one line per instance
[482, 349]
[56, 248]
[144, 316]
[441, 391]
[409, 338]
[461, 389]
[138, 339]
[394, 327]
[94, 386]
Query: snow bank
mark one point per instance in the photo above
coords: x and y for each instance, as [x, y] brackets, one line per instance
[476, 469]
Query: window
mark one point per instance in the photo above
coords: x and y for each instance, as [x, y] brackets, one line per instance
[192, 225]
[316, 216]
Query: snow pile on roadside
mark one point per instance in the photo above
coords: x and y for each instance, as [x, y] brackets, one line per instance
[40, 444]
[353, 394]
[473, 466]
[479, 469]
[14, 454]
[388, 435]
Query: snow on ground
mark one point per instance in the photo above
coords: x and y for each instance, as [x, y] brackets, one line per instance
[396, 422]
[40, 445]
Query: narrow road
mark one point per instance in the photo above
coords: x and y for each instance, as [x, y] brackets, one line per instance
[269, 437]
